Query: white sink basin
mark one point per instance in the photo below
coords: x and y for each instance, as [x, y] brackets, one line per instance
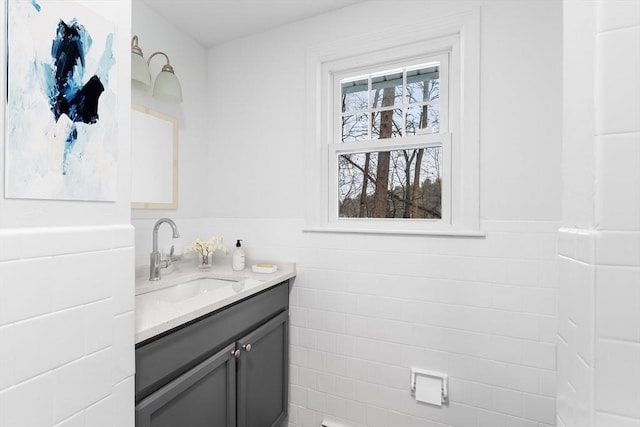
[189, 300]
[194, 288]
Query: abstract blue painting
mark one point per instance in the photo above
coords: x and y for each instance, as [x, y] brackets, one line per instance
[60, 114]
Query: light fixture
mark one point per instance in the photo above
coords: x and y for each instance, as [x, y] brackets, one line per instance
[139, 67]
[166, 86]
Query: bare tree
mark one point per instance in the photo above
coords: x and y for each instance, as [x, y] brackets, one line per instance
[428, 92]
[382, 173]
[394, 183]
[365, 180]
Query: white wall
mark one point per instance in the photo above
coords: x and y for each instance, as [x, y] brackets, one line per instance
[599, 245]
[262, 82]
[66, 291]
[365, 308]
[189, 60]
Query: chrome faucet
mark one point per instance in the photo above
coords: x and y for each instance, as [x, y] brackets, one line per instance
[156, 263]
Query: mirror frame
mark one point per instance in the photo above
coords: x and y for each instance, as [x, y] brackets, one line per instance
[174, 122]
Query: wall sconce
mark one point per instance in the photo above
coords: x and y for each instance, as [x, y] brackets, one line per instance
[166, 86]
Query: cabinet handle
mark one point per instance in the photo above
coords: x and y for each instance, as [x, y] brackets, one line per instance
[247, 347]
[236, 354]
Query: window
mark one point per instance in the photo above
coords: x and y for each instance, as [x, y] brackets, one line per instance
[390, 151]
[393, 120]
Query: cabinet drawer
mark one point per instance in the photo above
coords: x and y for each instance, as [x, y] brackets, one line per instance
[159, 360]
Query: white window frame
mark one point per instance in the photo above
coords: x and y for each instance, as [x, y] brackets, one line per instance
[455, 35]
[442, 53]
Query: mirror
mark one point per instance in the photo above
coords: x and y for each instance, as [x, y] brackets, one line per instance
[154, 159]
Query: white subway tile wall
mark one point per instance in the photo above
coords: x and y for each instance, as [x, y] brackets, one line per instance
[599, 286]
[365, 309]
[66, 327]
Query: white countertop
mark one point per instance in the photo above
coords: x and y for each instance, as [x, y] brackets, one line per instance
[154, 314]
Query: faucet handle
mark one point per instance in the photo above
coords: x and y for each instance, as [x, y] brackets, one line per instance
[170, 257]
[175, 257]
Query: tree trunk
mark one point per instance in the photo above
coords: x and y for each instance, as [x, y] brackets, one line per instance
[365, 182]
[415, 197]
[407, 192]
[380, 197]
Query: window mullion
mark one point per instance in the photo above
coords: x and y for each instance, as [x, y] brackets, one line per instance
[404, 102]
[436, 140]
[370, 108]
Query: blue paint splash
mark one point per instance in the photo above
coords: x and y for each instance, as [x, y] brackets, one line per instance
[106, 61]
[67, 94]
[35, 5]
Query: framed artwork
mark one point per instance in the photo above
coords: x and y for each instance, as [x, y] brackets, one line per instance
[60, 132]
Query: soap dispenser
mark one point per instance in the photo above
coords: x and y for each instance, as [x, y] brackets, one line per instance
[238, 257]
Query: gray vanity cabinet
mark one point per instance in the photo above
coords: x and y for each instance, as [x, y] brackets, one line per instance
[202, 397]
[262, 375]
[227, 369]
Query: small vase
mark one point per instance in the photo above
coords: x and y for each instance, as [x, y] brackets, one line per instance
[205, 262]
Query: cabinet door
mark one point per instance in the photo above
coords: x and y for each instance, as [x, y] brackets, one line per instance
[263, 378]
[204, 396]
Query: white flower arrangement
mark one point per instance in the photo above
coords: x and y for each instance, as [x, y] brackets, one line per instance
[206, 249]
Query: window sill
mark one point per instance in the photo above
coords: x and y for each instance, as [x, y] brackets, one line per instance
[435, 233]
